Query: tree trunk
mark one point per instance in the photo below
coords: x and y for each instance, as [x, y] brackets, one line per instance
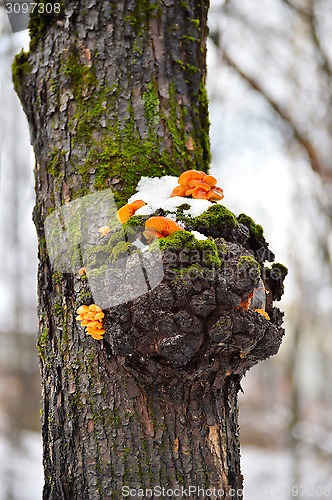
[114, 91]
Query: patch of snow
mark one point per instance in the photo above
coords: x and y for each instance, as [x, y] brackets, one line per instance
[156, 192]
[199, 236]
[153, 189]
[197, 207]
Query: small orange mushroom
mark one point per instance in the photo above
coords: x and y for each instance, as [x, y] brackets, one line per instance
[264, 313]
[178, 191]
[197, 182]
[127, 211]
[199, 192]
[186, 176]
[92, 318]
[104, 230]
[162, 226]
[210, 180]
[199, 185]
[215, 194]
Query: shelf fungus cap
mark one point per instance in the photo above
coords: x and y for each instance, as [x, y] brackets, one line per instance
[162, 225]
[127, 211]
[188, 175]
[215, 194]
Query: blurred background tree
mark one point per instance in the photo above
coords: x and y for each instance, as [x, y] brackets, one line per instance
[270, 92]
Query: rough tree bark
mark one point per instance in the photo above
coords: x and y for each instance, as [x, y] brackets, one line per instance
[113, 91]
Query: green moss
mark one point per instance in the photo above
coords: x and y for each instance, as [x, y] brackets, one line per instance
[113, 420]
[255, 230]
[136, 220]
[187, 67]
[180, 478]
[139, 16]
[188, 38]
[207, 249]
[176, 121]
[55, 163]
[122, 249]
[280, 269]
[247, 264]
[58, 308]
[151, 101]
[178, 240]
[196, 22]
[193, 270]
[84, 297]
[203, 101]
[221, 246]
[41, 343]
[40, 19]
[20, 68]
[118, 245]
[82, 78]
[117, 149]
[215, 216]
[210, 255]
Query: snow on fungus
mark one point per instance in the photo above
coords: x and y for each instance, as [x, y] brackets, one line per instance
[161, 226]
[92, 318]
[127, 211]
[157, 193]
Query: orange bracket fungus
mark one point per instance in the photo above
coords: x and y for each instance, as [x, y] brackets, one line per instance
[160, 227]
[127, 211]
[92, 318]
[198, 185]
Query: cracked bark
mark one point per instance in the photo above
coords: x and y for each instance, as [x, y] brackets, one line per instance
[155, 403]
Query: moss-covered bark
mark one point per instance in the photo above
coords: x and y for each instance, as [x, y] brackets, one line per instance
[120, 89]
[114, 91]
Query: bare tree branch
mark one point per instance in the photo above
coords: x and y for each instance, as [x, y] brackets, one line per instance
[308, 15]
[298, 134]
[326, 65]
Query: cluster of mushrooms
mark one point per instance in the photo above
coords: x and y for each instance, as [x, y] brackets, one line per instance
[191, 184]
[198, 185]
[92, 318]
